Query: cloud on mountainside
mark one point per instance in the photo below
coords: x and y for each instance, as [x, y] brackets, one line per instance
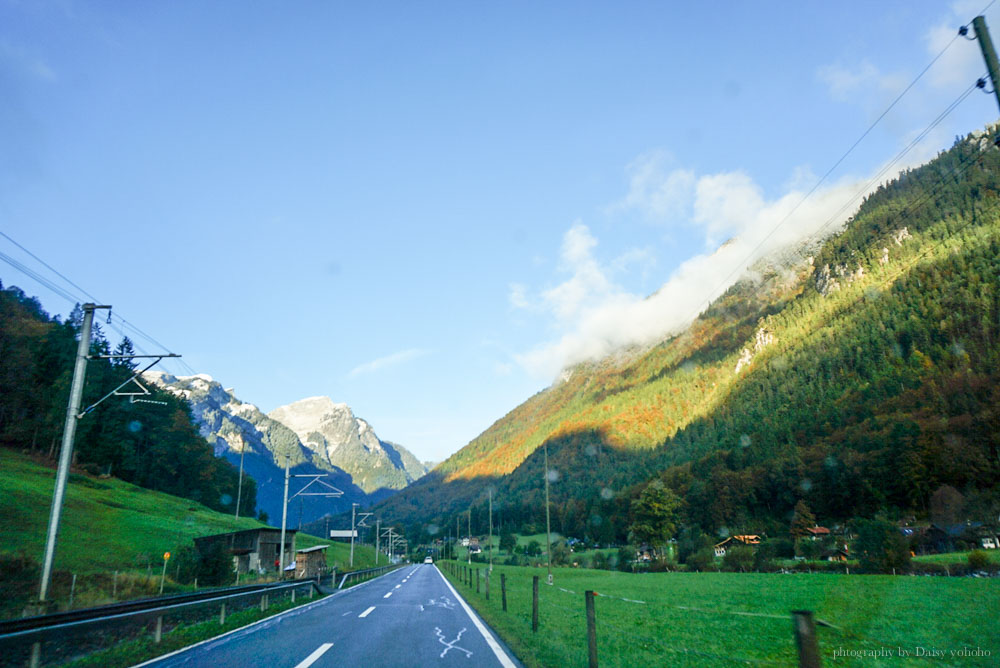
[597, 316]
[394, 359]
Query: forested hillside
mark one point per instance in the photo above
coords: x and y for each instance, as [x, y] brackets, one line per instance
[861, 378]
[152, 445]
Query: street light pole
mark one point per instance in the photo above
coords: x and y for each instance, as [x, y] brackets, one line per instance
[378, 522]
[491, 530]
[469, 534]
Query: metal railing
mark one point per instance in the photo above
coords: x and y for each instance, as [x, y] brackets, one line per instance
[367, 573]
[16, 636]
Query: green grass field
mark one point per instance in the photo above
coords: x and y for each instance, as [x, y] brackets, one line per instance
[109, 525]
[716, 619]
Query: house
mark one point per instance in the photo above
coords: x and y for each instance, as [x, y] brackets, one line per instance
[733, 541]
[474, 546]
[252, 549]
[311, 562]
[838, 554]
[816, 533]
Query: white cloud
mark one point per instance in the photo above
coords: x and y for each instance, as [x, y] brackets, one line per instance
[659, 194]
[388, 361]
[595, 316]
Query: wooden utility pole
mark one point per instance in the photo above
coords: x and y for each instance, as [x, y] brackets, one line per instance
[989, 53]
[548, 525]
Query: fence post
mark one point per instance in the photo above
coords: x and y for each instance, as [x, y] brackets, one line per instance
[591, 629]
[477, 580]
[158, 634]
[293, 594]
[36, 655]
[72, 591]
[805, 638]
[222, 614]
[114, 588]
[534, 604]
[487, 585]
[503, 590]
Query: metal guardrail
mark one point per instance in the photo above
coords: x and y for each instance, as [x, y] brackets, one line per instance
[367, 573]
[16, 635]
[22, 623]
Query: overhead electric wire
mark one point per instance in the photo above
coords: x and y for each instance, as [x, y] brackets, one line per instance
[742, 265]
[75, 298]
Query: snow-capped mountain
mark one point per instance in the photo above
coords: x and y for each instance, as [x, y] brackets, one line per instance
[332, 433]
[236, 429]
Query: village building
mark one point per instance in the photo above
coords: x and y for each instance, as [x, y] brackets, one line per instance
[733, 541]
[253, 550]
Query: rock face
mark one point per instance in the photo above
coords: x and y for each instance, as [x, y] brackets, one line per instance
[332, 434]
[237, 429]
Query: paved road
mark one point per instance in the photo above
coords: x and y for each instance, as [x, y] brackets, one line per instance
[409, 617]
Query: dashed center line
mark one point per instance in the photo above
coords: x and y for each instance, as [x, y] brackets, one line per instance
[365, 613]
[397, 586]
[387, 595]
[311, 659]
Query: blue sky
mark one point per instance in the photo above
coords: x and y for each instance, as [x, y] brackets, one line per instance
[426, 210]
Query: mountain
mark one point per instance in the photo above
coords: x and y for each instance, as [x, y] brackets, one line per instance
[332, 433]
[235, 428]
[861, 379]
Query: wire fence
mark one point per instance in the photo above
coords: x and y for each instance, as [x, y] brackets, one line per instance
[630, 631]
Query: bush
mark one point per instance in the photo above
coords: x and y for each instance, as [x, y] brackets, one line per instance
[702, 560]
[738, 559]
[810, 549]
[978, 560]
[600, 561]
[882, 548]
[763, 557]
[784, 548]
[625, 557]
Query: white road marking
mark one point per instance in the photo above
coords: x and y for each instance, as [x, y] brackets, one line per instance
[367, 612]
[346, 613]
[387, 595]
[321, 650]
[451, 643]
[501, 655]
[397, 586]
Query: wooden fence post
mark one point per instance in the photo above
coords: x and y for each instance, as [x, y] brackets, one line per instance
[591, 629]
[477, 580]
[503, 590]
[487, 585]
[534, 604]
[805, 638]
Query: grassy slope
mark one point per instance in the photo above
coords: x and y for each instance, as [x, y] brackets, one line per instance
[690, 619]
[110, 525]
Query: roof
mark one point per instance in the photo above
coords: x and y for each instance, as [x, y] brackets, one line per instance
[818, 531]
[314, 548]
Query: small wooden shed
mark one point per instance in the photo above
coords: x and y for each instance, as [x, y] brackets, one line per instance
[310, 562]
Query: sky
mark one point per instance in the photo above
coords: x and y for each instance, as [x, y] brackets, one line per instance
[429, 210]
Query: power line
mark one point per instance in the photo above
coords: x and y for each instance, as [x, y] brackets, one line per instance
[741, 266]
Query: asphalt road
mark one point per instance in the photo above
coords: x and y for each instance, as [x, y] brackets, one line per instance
[409, 617]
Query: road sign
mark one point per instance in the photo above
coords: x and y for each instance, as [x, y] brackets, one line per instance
[166, 555]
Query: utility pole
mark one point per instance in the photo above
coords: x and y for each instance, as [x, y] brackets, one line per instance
[239, 486]
[458, 537]
[284, 517]
[353, 508]
[491, 531]
[989, 53]
[378, 522]
[548, 525]
[66, 451]
[469, 534]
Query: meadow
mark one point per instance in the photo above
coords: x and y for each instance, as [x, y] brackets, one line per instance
[716, 619]
[107, 526]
